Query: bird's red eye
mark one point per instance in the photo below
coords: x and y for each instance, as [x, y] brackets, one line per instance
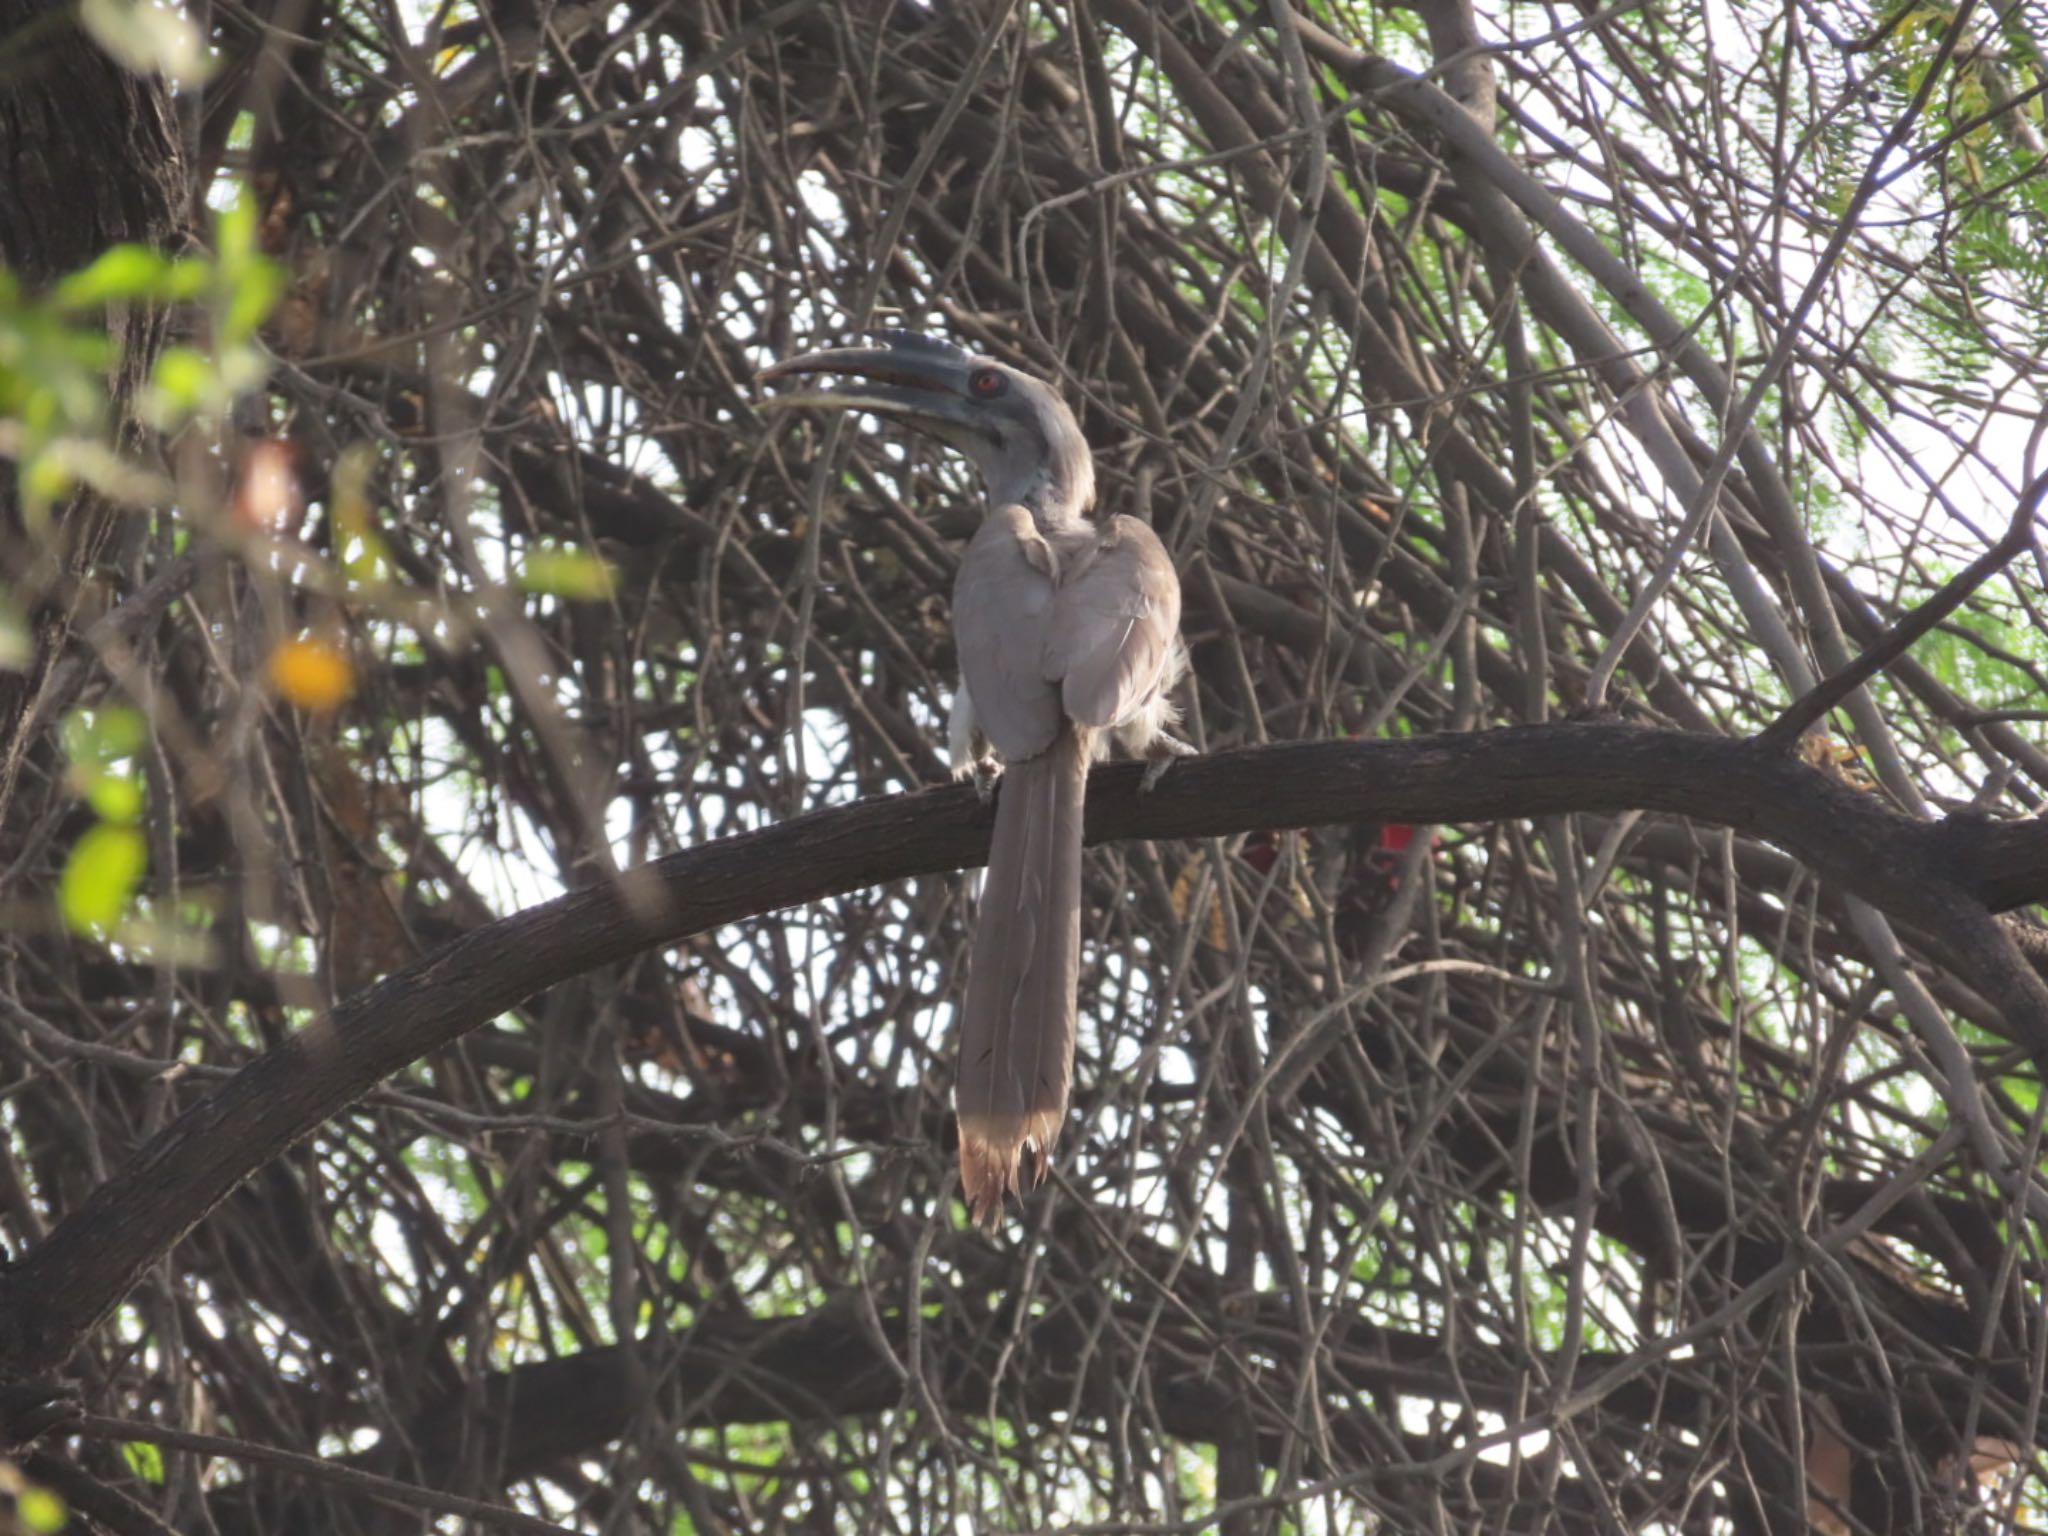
[987, 383]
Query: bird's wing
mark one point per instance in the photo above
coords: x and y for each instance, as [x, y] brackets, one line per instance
[1002, 601]
[1113, 625]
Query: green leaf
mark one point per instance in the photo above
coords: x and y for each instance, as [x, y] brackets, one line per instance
[129, 272]
[144, 1459]
[103, 736]
[44, 481]
[118, 732]
[183, 382]
[234, 235]
[100, 876]
[116, 796]
[39, 1510]
[257, 288]
[580, 574]
[125, 272]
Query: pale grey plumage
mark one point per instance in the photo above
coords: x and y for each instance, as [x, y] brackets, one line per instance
[1068, 631]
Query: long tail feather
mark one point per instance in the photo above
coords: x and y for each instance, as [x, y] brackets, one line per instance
[1017, 1026]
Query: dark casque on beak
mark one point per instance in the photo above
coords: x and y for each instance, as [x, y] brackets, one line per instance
[918, 380]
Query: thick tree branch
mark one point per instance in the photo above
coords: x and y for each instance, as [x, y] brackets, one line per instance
[1933, 876]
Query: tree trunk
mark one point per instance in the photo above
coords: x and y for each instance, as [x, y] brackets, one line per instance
[89, 158]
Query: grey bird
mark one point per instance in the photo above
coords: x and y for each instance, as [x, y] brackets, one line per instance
[1068, 627]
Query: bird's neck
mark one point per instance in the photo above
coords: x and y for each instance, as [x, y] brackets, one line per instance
[1058, 492]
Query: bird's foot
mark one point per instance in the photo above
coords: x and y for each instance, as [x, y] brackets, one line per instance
[984, 773]
[1161, 754]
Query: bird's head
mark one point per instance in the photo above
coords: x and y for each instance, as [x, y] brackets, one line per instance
[1012, 427]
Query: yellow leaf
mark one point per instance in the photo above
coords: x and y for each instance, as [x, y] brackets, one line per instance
[312, 674]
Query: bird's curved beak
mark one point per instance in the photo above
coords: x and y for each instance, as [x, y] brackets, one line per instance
[918, 387]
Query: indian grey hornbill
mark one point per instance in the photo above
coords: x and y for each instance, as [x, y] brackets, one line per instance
[1068, 627]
